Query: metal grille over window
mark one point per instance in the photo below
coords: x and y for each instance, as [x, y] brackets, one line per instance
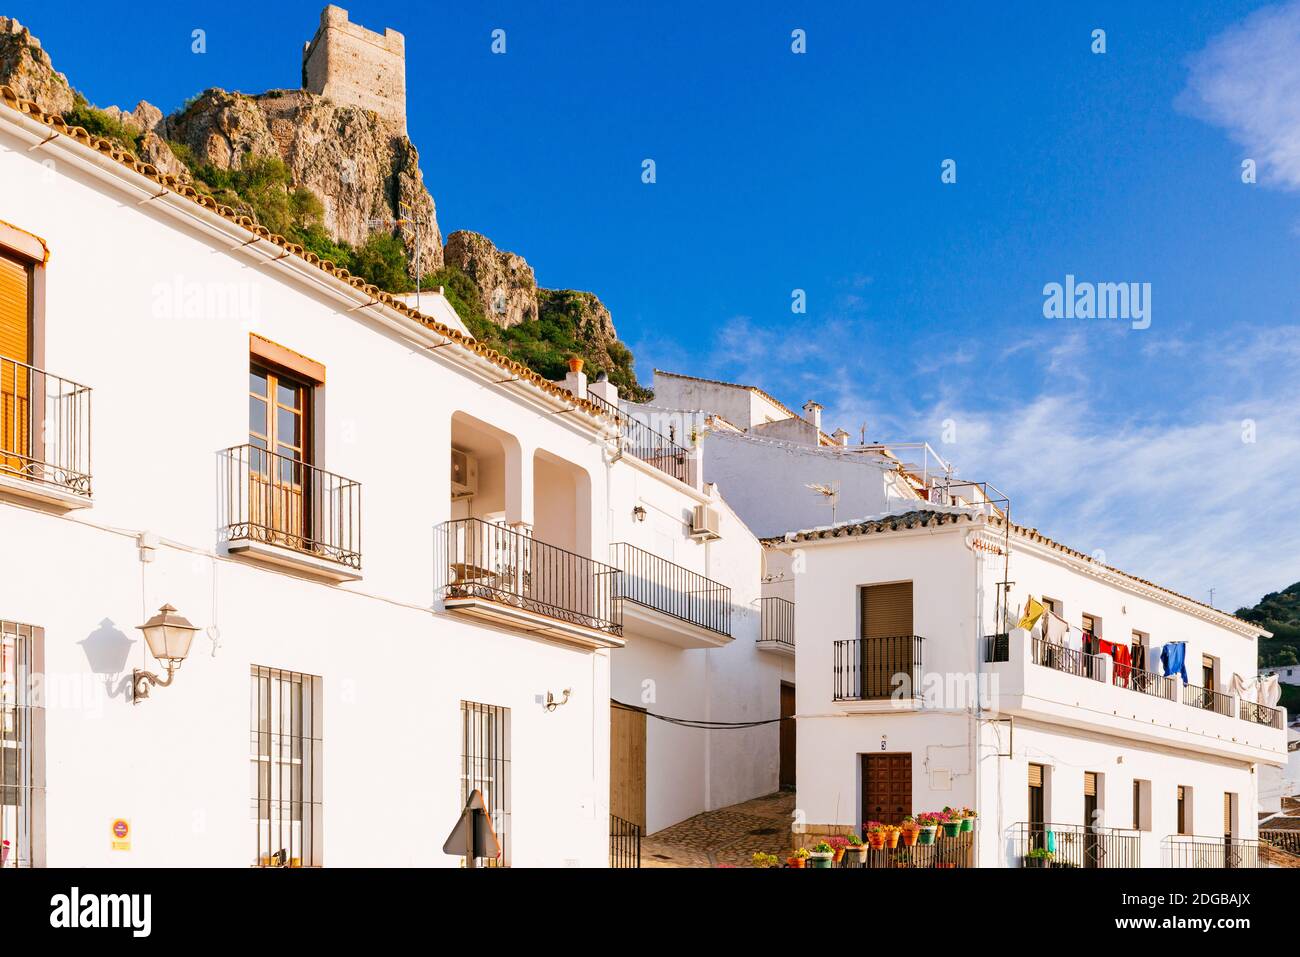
[485, 765]
[285, 748]
[22, 736]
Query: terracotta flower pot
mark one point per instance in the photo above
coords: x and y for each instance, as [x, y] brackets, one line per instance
[910, 837]
[839, 854]
[891, 839]
[575, 364]
[794, 862]
[877, 841]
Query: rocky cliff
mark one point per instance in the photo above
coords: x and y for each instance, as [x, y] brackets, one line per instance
[338, 178]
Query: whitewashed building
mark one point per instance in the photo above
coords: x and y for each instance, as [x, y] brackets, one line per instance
[414, 567]
[913, 695]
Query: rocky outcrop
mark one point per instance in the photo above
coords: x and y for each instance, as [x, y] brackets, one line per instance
[27, 68]
[504, 279]
[364, 170]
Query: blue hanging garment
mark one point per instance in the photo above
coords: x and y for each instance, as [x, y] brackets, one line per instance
[1173, 656]
[1051, 842]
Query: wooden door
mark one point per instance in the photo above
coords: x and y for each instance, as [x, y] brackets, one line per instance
[627, 763]
[279, 493]
[787, 735]
[886, 787]
[15, 354]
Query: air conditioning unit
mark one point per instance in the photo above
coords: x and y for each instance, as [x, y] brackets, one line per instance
[705, 524]
[464, 474]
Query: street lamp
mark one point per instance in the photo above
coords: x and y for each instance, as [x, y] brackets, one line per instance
[168, 636]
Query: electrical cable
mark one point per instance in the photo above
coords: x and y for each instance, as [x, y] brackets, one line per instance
[697, 723]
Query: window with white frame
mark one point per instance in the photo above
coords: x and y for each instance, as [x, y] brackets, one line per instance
[485, 766]
[285, 744]
[22, 746]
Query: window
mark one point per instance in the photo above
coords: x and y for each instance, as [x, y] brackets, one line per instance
[22, 757]
[285, 767]
[1037, 804]
[1229, 812]
[485, 766]
[15, 358]
[278, 423]
[1091, 626]
[1141, 805]
[1184, 809]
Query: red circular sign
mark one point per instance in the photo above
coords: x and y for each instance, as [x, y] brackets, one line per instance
[120, 829]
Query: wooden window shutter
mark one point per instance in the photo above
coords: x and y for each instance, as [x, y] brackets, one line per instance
[1089, 783]
[15, 310]
[1035, 775]
[1227, 812]
[886, 610]
[1180, 792]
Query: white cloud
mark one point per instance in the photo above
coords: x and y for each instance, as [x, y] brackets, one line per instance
[1247, 80]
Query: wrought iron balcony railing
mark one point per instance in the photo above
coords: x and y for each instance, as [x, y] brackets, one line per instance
[272, 499]
[478, 559]
[1039, 844]
[657, 583]
[651, 447]
[44, 428]
[777, 621]
[1075, 662]
[873, 669]
[1187, 850]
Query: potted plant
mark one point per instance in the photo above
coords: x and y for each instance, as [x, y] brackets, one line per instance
[928, 822]
[1039, 857]
[891, 836]
[856, 851]
[798, 859]
[875, 835]
[950, 819]
[838, 845]
[575, 364]
[822, 855]
[910, 831]
[968, 820]
[766, 861]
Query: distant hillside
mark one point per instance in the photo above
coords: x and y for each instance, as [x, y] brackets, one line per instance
[1279, 612]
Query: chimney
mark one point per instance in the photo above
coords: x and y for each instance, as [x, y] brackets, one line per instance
[841, 437]
[602, 388]
[813, 413]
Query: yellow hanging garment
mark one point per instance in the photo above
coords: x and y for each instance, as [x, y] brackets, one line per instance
[1033, 612]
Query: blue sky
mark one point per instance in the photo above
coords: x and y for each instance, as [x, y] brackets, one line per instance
[821, 172]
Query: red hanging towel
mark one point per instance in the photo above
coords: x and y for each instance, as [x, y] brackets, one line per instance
[1123, 660]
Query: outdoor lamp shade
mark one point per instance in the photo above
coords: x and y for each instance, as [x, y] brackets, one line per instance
[168, 634]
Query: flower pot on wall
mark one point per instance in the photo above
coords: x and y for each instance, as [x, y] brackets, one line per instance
[910, 836]
[821, 860]
[927, 835]
[967, 825]
[575, 364]
[951, 828]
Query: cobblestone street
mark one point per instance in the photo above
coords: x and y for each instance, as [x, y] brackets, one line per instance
[729, 835]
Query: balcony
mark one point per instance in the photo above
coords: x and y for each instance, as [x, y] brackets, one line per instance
[669, 603]
[1185, 850]
[776, 632]
[638, 439]
[885, 672]
[497, 574]
[44, 436]
[1064, 685]
[281, 511]
[1067, 846]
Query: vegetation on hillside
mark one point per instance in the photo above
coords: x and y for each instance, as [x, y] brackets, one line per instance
[263, 189]
[98, 123]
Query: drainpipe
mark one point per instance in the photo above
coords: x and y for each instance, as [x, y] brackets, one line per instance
[977, 752]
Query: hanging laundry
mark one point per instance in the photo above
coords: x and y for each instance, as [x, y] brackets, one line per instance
[1033, 611]
[1247, 689]
[1011, 617]
[1139, 657]
[1123, 664]
[1173, 659]
[1270, 691]
[1055, 628]
[1074, 638]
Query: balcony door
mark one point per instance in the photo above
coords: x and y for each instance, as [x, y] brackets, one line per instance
[887, 647]
[15, 355]
[278, 430]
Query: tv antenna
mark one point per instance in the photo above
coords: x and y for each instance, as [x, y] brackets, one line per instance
[406, 218]
[830, 491]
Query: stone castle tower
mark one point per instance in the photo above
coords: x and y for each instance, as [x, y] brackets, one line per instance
[354, 66]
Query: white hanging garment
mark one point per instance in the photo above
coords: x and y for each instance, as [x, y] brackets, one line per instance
[1074, 637]
[1056, 628]
[1245, 688]
[1270, 692]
